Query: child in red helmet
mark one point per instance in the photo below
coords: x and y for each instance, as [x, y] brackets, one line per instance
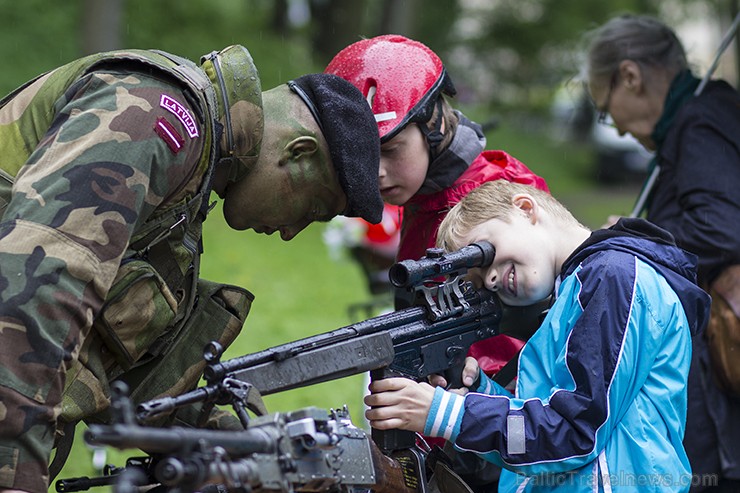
[431, 154]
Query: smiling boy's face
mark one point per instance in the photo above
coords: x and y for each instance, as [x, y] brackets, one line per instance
[523, 271]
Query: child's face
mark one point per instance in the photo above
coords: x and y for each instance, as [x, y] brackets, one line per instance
[522, 272]
[404, 161]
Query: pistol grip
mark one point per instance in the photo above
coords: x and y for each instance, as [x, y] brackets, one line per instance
[453, 375]
[390, 440]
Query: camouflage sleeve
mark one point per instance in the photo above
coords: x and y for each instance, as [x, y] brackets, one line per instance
[118, 147]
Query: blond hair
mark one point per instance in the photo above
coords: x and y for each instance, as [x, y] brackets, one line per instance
[493, 200]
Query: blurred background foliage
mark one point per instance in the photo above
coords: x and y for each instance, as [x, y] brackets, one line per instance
[504, 53]
[514, 62]
[510, 60]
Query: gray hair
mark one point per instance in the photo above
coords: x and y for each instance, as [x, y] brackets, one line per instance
[640, 38]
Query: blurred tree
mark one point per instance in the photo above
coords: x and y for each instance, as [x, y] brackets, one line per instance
[197, 27]
[398, 17]
[525, 48]
[434, 24]
[101, 25]
[280, 22]
[520, 51]
[503, 54]
[336, 23]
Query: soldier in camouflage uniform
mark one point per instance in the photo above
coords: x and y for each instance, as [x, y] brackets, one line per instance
[106, 167]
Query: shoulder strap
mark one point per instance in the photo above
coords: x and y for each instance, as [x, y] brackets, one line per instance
[63, 449]
[508, 372]
[201, 82]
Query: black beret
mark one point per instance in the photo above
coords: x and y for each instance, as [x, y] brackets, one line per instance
[349, 127]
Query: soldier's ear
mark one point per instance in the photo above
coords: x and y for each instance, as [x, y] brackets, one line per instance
[299, 148]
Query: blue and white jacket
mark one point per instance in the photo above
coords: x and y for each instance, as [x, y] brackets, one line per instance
[600, 401]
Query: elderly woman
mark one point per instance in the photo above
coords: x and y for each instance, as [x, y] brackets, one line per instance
[638, 74]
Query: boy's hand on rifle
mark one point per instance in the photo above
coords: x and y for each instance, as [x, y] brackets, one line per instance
[399, 403]
[469, 376]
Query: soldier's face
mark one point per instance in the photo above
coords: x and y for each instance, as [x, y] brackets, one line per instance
[287, 190]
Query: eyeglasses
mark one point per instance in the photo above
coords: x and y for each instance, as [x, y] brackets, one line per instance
[603, 112]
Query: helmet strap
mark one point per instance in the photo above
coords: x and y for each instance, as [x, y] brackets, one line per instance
[213, 57]
[434, 137]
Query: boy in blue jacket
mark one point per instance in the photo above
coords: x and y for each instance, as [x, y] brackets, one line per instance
[600, 402]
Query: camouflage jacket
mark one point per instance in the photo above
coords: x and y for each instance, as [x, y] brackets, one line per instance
[109, 159]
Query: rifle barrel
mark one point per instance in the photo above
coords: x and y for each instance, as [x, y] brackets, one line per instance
[171, 440]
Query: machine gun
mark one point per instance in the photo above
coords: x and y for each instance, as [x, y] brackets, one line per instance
[305, 450]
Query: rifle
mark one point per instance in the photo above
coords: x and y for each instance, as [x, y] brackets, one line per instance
[433, 336]
[304, 450]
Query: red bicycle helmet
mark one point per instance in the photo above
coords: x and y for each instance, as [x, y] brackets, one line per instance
[401, 79]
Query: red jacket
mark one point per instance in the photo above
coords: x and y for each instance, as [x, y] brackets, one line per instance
[423, 214]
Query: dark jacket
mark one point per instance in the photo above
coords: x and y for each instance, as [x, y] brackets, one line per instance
[697, 199]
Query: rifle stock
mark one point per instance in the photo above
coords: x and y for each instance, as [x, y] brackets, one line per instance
[402, 474]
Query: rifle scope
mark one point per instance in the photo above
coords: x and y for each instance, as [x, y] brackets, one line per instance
[436, 263]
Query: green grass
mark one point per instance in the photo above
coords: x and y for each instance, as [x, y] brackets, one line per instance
[299, 291]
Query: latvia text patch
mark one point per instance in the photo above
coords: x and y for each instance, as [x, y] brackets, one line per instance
[182, 114]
